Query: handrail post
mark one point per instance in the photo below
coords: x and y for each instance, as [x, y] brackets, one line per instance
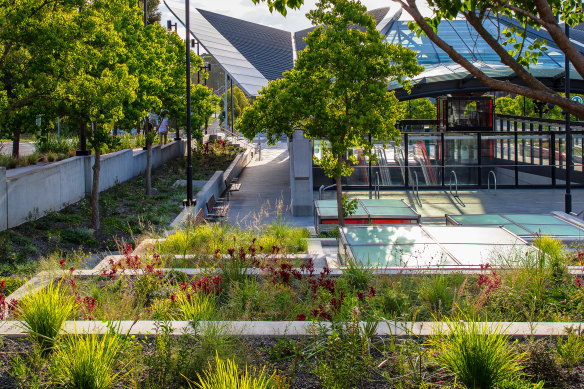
[455, 183]
[492, 172]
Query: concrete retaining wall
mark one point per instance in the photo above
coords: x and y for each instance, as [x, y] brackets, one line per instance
[3, 203]
[234, 170]
[215, 186]
[30, 195]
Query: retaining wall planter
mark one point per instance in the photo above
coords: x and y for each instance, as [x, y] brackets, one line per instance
[30, 195]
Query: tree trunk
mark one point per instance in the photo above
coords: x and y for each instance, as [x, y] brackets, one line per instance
[148, 173]
[340, 215]
[16, 143]
[95, 219]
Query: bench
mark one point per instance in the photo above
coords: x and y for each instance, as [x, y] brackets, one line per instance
[216, 209]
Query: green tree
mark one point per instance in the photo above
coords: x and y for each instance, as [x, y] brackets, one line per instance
[240, 102]
[514, 50]
[338, 89]
[35, 39]
[99, 82]
[418, 109]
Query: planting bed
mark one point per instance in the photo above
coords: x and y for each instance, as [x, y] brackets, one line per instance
[127, 216]
[217, 295]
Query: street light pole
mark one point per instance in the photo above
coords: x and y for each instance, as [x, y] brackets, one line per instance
[568, 196]
[189, 201]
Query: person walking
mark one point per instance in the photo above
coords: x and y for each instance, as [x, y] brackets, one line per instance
[163, 130]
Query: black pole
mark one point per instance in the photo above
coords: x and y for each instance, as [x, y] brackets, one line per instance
[189, 200]
[145, 2]
[568, 196]
[369, 172]
[232, 111]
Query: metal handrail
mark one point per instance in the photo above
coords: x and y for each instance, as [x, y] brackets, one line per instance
[417, 187]
[455, 183]
[323, 188]
[494, 181]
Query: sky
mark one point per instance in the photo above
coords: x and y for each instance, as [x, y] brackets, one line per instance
[247, 10]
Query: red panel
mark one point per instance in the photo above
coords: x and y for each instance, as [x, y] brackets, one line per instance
[391, 221]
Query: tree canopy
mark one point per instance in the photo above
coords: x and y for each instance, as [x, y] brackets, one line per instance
[510, 42]
[337, 90]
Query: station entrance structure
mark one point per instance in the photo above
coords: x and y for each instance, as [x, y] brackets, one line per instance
[468, 146]
[511, 152]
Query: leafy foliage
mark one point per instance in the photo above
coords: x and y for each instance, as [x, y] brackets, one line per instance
[337, 90]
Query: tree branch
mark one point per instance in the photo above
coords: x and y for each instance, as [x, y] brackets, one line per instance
[555, 31]
[546, 95]
[506, 58]
[6, 52]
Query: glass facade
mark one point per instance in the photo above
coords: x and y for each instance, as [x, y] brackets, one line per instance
[466, 41]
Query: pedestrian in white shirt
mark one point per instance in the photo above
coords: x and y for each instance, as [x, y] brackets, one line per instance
[163, 130]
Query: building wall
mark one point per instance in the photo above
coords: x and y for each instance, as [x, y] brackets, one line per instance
[300, 150]
[30, 195]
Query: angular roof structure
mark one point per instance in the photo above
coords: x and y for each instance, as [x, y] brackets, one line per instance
[253, 54]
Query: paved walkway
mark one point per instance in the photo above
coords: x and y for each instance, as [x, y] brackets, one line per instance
[264, 183]
[267, 182]
[25, 148]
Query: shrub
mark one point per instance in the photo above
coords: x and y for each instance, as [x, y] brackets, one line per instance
[434, 291]
[478, 355]
[43, 311]
[226, 375]
[78, 236]
[90, 361]
[196, 306]
[570, 351]
[343, 359]
[541, 362]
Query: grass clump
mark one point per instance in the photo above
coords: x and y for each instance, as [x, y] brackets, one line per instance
[42, 313]
[208, 238]
[478, 355]
[91, 362]
[226, 375]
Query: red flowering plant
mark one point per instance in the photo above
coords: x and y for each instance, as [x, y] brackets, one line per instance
[6, 307]
[488, 279]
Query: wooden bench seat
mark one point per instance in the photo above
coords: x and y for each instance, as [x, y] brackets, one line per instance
[216, 209]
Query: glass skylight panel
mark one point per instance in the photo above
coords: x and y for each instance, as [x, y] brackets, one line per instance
[471, 235]
[378, 235]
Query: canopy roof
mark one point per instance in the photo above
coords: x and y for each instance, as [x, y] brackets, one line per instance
[253, 54]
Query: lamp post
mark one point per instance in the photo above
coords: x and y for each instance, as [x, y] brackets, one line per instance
[189, 200]
[568, 195]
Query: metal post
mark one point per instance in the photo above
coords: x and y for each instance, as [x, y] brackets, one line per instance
[369, 171]
[189, 201]
[442, 157]
[58, 128]
[145, 2]
[552, 156]
[479, 158]
[406, 162]
[516, 159]
[568, 195]
[226, 121]
[232, 110]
